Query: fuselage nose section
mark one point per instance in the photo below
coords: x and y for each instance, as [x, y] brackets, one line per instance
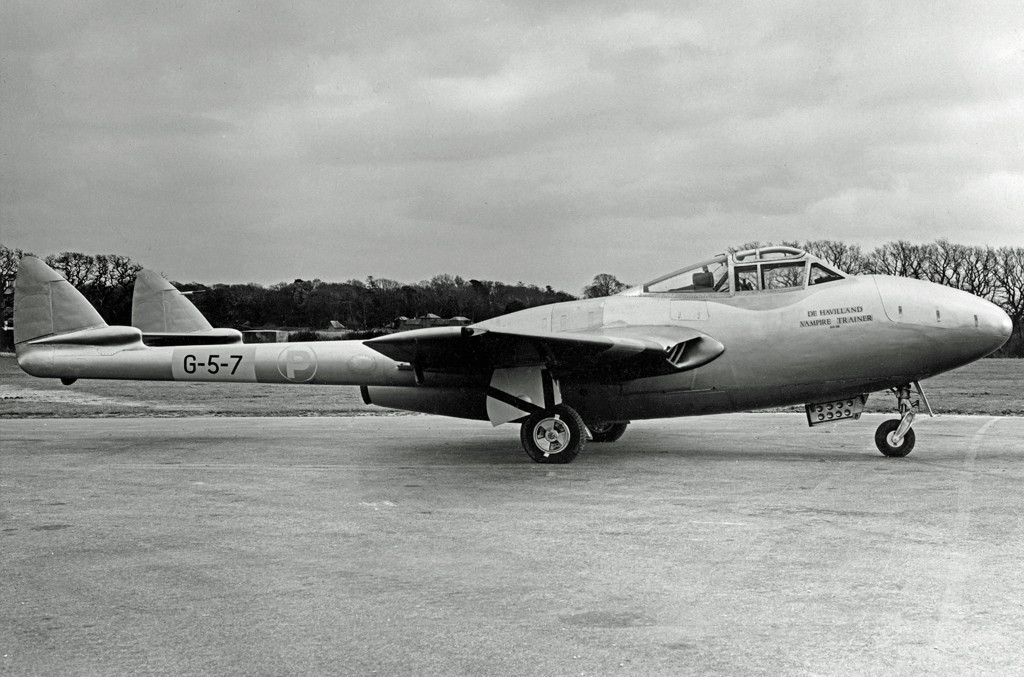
[1001, 323]
[956, 326]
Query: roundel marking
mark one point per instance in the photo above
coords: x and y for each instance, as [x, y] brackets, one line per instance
[362, 362]
[297, 363]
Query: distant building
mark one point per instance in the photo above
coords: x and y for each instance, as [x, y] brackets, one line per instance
[265, 336]
[429, 320]
[335, 331]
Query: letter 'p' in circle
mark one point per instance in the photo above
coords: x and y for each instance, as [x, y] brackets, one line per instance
[297, 363]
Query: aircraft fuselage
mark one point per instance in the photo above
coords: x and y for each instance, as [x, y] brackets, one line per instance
[750, 330]
[852, 336]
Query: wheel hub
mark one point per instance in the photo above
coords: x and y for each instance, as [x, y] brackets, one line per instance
[552, 435]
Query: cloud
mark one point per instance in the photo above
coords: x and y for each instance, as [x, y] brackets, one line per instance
[521, 140]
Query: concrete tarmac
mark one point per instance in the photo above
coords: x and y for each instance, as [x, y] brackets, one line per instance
[744, 544]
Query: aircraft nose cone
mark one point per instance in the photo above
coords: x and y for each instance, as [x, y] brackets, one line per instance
[1000, 323]
[993, 325]
[960, 327]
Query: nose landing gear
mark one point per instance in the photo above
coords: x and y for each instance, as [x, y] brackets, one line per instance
[891, 442]
[895, 438]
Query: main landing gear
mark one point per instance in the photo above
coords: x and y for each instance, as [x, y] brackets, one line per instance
[557, 435]
[606, 432]
[895, 438]
[552, 431]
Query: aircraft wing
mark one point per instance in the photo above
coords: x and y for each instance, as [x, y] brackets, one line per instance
[615, 353]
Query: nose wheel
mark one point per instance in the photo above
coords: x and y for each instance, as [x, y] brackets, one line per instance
[886, 439]
[895, 438]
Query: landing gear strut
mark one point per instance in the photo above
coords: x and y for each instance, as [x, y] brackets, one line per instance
[895, 437]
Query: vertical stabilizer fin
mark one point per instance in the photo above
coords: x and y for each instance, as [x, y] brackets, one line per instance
[45, 304]
[157, 307]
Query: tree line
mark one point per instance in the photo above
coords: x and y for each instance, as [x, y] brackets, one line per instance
[373, 304]
[107, 281]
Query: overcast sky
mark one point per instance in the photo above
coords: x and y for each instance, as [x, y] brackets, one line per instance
[536, 141]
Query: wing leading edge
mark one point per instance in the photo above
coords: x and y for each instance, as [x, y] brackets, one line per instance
[608, 353]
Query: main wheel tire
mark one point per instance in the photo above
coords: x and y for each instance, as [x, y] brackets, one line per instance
[883, 439]
[606, 432]
[553, 436]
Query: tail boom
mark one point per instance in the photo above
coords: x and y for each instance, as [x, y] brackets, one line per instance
[58, 334]
[330, 363]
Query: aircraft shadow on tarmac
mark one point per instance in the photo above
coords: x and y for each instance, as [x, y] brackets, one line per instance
[642, 447]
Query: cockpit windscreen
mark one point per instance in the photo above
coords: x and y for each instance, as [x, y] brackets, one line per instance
[703, 278]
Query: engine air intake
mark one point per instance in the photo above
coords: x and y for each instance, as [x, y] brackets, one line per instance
[694, 352]
[675, 354]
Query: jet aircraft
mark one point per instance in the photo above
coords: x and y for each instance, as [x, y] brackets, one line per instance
[747, 330]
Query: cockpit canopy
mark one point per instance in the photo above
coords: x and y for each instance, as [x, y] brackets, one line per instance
[770, 269]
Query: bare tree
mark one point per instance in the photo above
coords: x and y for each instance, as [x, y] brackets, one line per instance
[77, 268]
[945, 263]
[112, 285]
[846, 257]
[116, 270]
[10, 259]
[899, 258]
[604, 284]
[979, 274]
[1009, 283]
